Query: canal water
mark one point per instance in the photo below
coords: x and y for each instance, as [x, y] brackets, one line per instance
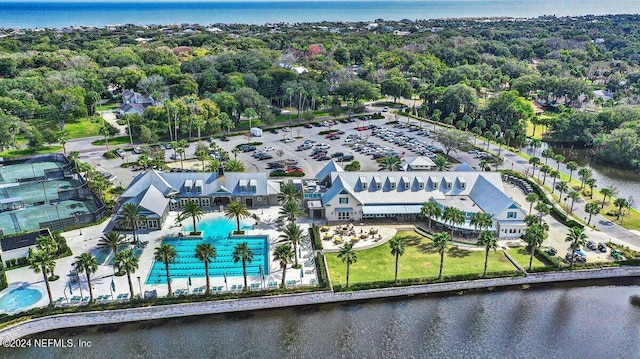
[546, 322]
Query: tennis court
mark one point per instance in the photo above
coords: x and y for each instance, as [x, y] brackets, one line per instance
[30, 169]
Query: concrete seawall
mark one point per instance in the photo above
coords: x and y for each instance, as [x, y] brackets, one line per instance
[227, 306]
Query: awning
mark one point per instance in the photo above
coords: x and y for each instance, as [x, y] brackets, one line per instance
[387, 209]
[344, 210]
[10, 200]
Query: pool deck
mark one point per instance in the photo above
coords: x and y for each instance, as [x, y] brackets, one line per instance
[86, 239]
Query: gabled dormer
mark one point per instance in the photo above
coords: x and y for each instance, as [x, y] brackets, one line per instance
[405, 183]
[434, 182]
[462, 183]
[377, 182]
[363, 183]
[448, 183]
[392, 182]
[421, 182]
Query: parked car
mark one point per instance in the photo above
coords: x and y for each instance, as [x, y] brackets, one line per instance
[346, 158]
[602, 247]
[294, 170]
[268, 148]
[225, 139]
[291, 162]
[108, 176]
[616, 254]
[137, 150]
[308, 125]
[120, 152]
[551, 251]
[591, 245]
[289, 140]
[303, 147]
[265, 157]
[323, 158]
[273, 130]
[287, 129]
[337, 154]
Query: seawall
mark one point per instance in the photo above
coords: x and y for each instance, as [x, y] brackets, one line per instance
[71, 320]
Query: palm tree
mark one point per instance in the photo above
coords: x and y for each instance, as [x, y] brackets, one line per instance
[531, 198]
[74, 157]
[591, 182]
[574, 197]
[42, 261]
[430, 210]
[166, 254]
[112, 240]
[592, 208]
[555, 175]
[441, 163]
[243, 253]
[234, 166]
[283, 254]
[206, 252]
[398, 245]
[129, 216]
[546, 169]
[290, 210]
[562, 187]
[481, 220]
[441, 240]
[236, 210]
[577, 238]
[191, 209]
[534, 162]
[489, 241]
[534, 236]
[128, 262]
[348, 256]
[584, 173]
[620, 203]
[546, 153]
[535, 144]
[288, 192]
[543, 210]
[390, 164]
[454, 216]
[49, 245]
[559, 159]
[293, 234]
[571, 166]
[88, 264]
[606, 192]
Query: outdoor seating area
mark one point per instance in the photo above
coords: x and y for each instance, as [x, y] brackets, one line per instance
[524, 186]
[359, 235]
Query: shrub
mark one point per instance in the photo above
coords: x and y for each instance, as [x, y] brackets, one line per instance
[249, 144]
[109, 155]
[316, 240]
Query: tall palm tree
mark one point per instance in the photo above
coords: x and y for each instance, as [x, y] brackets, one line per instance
[128, 262]
[283, 254]
[112, 240]
[166, 254]
[42, 261]
[348, 256]
[453, 216]
[390, 164]
[571, 166]
[441, 163]
[559, 159]
[290, 210]
[562, 187]
[592, 208]
[606, 192]
[234, 166]
[293, 234]
[243, 253]
[531, 198]
[288, 192]
[535, 143]
[546, 153]
[584, 173]
[236, 210]
[398, 245]
[191, 209]
[591, 182]
[481, 220]
[129, 216]
[577, 239]
[489, 241]
[620, 203]
[430, 210]
[546, 169]
[574, 197]
[88, 264]
[555, 175]
[74, 157]
[534, 236]
[441, 240]
[534, 162]
[206, 252]
[50, 245]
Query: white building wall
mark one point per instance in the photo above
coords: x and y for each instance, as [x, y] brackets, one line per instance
[333, 216]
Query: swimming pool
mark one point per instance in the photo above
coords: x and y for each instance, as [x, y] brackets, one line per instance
[215, 232]
[19, 298]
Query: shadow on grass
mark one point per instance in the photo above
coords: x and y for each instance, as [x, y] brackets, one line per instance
[456, 252]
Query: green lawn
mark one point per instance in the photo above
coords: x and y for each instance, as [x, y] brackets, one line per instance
[84, 127]
[419, 260]
[107, 106]
[520, 255]
[29, 152]
[114, 141]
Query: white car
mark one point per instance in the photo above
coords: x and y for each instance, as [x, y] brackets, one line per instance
[322, 146]
[286, 129]
[289, 140]
[268, 148]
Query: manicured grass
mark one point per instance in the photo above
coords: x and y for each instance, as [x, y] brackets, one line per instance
[114, 141]
[419, 260]
[540, 130]
[84, 127]
[29, 152]
[107, 106]
[521, 255]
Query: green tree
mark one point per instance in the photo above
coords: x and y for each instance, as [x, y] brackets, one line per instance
[606, 192]
[453, 216]
[283, 254]
[593, 208]
[112, 240]
[292, 233]
[534, 236]
[574, 196]
[166, 254]
[288, 192]
[571, 166]
[489, 241]
[546, 169]
[88, 264]
[236, 210]
[234, 166]
[591, 182]
[481, 220]
[191, 209]
[348, 256]
[390, 164]
[290, 210]
[206, 253]
[42, 262]
[620, 203]
[430, 210]
[242, 253]
[441, 241]
[128, 262]
[442, 164]
[584, 173]
[534, 162]
[398, 245]
[555, 175]
[559, 159]
[577, 239]
[396, 87]
[130, 215]
[531, 198]
[547, 153]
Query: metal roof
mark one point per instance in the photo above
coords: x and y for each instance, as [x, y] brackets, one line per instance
[396, 209]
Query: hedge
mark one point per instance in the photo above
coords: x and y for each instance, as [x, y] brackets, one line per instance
[286, 174]
[249, 144]
[555, 212]
[316, 240]
[418, 281]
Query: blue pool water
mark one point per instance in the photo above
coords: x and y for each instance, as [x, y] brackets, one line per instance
[19, 298]
[215, 232]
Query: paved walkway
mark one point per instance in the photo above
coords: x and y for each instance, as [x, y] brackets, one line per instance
[238, 305]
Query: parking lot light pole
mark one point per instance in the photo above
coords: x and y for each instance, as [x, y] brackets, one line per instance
[140, 286]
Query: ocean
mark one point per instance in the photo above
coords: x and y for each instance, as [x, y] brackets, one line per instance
[51, 14]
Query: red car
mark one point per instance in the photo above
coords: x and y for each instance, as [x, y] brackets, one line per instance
[294, 170]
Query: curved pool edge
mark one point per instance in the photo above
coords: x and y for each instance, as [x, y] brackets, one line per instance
[42, 302]
[84, 319]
